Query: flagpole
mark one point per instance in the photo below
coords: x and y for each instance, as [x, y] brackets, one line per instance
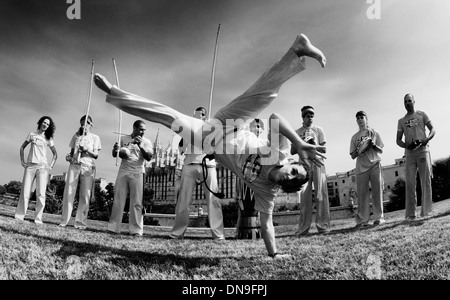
[120, 111]
[213, 72]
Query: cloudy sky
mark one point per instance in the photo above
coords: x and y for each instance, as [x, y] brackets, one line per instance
[164, 51]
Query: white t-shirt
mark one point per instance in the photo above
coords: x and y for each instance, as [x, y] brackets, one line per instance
[135, 162]
[38, 148]
[90, 141]
[369, 158]
[253, 167]
[316, 134]
[413, 127]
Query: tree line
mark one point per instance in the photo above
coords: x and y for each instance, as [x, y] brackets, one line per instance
[440, 186]
[102, 199]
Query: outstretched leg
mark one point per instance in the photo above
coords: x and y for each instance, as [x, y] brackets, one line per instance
[188, 127]
[261, 94]
[102, 83]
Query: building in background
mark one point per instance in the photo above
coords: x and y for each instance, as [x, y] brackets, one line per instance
[342, 185]
[163, 174]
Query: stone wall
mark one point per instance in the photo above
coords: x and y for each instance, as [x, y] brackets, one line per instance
[279, 218]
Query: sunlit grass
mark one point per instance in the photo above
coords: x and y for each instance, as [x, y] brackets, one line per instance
[406, 250]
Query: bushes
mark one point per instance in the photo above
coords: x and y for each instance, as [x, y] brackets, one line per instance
[441, 179]
[13, 187]
[163, 208]
[230, 213]
[397, 196]
[440, 187]
[2, 190]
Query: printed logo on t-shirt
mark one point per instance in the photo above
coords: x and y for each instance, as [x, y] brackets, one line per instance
[360, 141]
[412, 122]
[38, 141]
[308, 136]
[252, 167]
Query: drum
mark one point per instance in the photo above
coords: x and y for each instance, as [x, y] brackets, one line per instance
[364, 146]
[248, 224]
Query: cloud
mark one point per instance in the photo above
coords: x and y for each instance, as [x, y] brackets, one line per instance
[164, 51]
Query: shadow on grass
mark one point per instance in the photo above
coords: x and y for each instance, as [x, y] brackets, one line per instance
[117, 256]
[331, 232]
[412, 223]
[385, 227]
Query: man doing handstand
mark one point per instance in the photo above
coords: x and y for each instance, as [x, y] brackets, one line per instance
[262, 167]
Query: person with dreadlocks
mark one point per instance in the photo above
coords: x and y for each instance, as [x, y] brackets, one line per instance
[264, 167]
[36, 167]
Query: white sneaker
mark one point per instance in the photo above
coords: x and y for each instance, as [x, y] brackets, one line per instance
[278, 256]
[379, 222]
[38, 222]
[282, 256]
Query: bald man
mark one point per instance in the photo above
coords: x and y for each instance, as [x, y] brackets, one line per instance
[417, 151]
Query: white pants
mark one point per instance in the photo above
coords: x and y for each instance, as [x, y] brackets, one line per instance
[189, 176]
[319, 178]
[245, 107]
[418, 162]
[132, 183]
[86, 177]
[373, 175]
[32, 173]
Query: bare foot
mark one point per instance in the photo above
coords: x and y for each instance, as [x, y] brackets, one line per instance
[102, 83]
[303, 47]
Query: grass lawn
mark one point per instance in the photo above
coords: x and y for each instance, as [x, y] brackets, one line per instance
[398, 249]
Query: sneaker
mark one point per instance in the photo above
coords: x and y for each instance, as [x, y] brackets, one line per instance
[221, 238]
[38, 222]
[282, 256]
[80, 227]
[278, 256]
[20, 218]
[429, 215]
[175, 237]
[136, 234]
[62, 225]
[301, 233]
[379, 222]
[411, 218]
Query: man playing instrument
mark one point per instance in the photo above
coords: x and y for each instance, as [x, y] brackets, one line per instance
[84, 148]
